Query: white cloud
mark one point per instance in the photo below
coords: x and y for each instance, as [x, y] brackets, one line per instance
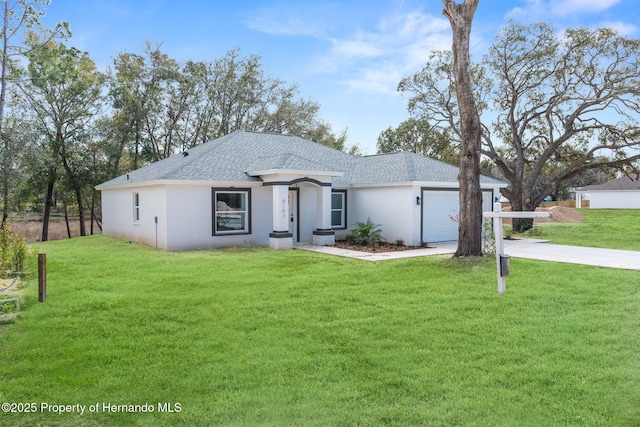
[371, 59]
[535, 10]
[376, 60]
[621, 28]
[292, 20]
[360, 46]
[564, 10]
[384, 79]
[572, 7]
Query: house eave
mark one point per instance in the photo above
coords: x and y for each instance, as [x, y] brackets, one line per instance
[608, 191]
[179, 183]
[430, 184]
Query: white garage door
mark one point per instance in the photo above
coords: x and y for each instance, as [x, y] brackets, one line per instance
[439, 209]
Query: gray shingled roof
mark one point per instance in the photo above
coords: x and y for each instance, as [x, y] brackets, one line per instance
[287, 161]
[623, 183]
[231, 157]
[402, 167]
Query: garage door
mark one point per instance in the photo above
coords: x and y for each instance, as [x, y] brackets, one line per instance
[439, 209]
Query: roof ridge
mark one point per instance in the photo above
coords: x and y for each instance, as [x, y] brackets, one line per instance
[269, 133]
[411, 168]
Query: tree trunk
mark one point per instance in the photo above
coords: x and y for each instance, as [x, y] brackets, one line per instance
[470, 217]
[521, 204]
[83, 228]
[66, 218]
[94, 216]
[137, 145]
[93, 212]
[3, 93]
[74, 183]
[48, 200]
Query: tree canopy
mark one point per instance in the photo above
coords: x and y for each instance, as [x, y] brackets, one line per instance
[418, 136]
[553, 105]
[21, 33]
[162, 107]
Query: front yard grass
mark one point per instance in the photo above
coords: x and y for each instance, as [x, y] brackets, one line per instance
[256, 337]
[602, 228]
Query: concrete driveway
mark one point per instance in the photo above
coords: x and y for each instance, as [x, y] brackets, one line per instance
[542, 250]
[523, 248]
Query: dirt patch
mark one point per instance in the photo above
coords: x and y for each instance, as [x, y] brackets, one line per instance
[559, 214]
[379, 248]
[12, 288]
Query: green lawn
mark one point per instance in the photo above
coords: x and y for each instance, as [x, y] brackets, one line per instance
[257, 337]
[602, 228]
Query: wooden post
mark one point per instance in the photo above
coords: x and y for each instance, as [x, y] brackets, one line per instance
[497, 216]
[42, 277]
[497, 231]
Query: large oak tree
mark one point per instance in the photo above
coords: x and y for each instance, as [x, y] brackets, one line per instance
[556, 106]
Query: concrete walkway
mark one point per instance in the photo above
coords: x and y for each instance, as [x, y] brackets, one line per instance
[524, 248]
[439, 249]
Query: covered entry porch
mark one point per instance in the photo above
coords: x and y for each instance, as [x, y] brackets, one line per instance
[288, 204]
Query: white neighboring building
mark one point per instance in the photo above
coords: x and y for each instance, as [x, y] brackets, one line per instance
[250, 188]
[621, 193]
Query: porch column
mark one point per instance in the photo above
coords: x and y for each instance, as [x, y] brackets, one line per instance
[280, 238]
[323, 234]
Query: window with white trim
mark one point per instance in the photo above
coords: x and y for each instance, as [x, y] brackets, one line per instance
[231, 211]
[339, 209]
[136, 207]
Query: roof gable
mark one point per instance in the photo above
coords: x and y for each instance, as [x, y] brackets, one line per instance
[288, 162]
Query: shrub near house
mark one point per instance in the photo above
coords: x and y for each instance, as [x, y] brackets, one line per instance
[365, 233]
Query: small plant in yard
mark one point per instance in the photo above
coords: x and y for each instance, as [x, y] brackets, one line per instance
[508, 233]
[488, 237]
[13, 252]
[536, 230]
[8, 307]
[365, 233]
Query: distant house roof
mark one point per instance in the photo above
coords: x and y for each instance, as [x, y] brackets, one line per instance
[624, 183]
[237, 156]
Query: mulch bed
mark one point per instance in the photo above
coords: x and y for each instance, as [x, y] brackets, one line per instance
[380, 247]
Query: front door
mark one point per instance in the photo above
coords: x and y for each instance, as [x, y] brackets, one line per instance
[293, 214]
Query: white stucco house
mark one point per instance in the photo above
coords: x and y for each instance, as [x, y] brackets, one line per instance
[621, 193]
[250, 188]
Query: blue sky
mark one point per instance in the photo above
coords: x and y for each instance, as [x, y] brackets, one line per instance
[347, 55]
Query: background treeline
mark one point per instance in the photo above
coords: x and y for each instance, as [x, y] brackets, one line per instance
[68, 126]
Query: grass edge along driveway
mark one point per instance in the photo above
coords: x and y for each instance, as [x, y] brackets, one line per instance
[262, 337]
